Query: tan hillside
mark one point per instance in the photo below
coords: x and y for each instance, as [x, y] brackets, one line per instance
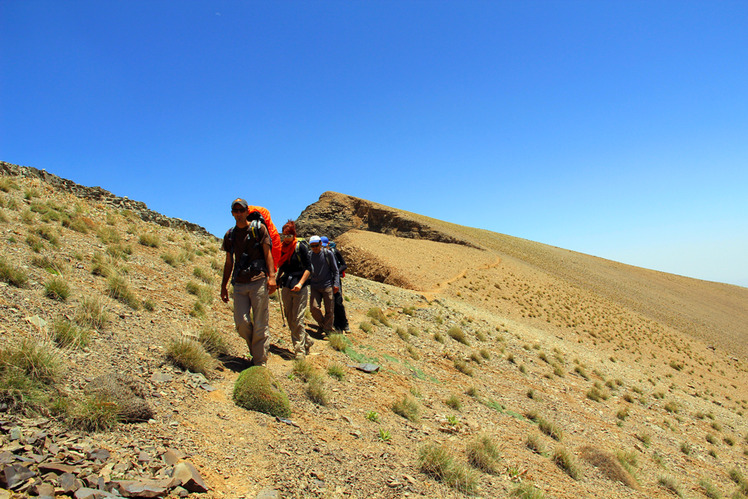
[590, 378]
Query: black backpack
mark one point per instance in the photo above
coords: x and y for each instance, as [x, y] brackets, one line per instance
[244, 265]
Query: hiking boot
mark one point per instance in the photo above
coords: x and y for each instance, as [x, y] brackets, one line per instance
[309, 343]
[300, 356]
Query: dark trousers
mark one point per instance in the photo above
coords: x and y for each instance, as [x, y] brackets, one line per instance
[340, 322]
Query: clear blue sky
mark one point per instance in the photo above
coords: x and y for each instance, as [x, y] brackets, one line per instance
[614, 128]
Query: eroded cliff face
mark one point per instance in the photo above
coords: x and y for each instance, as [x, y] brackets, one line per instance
[335, 213]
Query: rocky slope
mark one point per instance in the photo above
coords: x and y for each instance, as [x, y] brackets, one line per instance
[582, 392]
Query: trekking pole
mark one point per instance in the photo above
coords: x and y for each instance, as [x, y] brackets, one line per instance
[280, 303]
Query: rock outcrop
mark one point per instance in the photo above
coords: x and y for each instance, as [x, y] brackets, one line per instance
[335, 213]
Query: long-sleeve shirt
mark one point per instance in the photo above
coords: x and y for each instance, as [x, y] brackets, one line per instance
[324, 270]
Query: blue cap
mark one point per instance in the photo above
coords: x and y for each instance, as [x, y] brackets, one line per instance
[324, 240]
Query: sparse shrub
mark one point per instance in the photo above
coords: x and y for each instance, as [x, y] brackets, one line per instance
[57, 289]
[457, 334]
[95, 413]
[737, 477]
[709, 489]
[119, 289]
[413, 352]
[193, 288]
[597, 394]
[336, 370]
[629, 461]
[338, 342]
[46, 233]
[463, 367]
[407, 407]
[439, 462]
[671, 484]
[91, 312]
[67, 334]
[622, 414]
[527, 490]
[7, 184]
[315, 390]
[28, 373]
[48, 264]
[170, 259]
[304, 369]
[372, 416]
[102, 267]
[376, 314]
[35, 243]
[550, 429]
[198, 310]
[384, 435]
[366, 327]
[150, 239]
[581, 371]
[686, 448]
[672, 407]
[483, 454]
[439, 337]
[402, 333]
[149, 305]
[12, 275]
[118, 252]
[618, 469]
[213, 341]
[645, 439]
[108, 235]
[203, 275]
[37, 360]
[257, 390]
[190, 355]
[565, 460]
[454, 402]
[535, 444]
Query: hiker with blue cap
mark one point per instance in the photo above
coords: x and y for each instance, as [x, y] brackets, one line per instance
[324, 283]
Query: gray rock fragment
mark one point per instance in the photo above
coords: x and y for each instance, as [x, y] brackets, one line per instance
[14, 475]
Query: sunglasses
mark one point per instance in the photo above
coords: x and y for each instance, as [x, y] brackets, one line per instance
[238, 210]
[314, 245]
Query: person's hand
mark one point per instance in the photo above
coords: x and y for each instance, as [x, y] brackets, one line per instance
[296, 288]
[271, 285]
[224, 294]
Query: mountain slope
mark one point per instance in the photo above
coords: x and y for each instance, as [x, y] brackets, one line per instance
[713, 312]
[497, 340]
